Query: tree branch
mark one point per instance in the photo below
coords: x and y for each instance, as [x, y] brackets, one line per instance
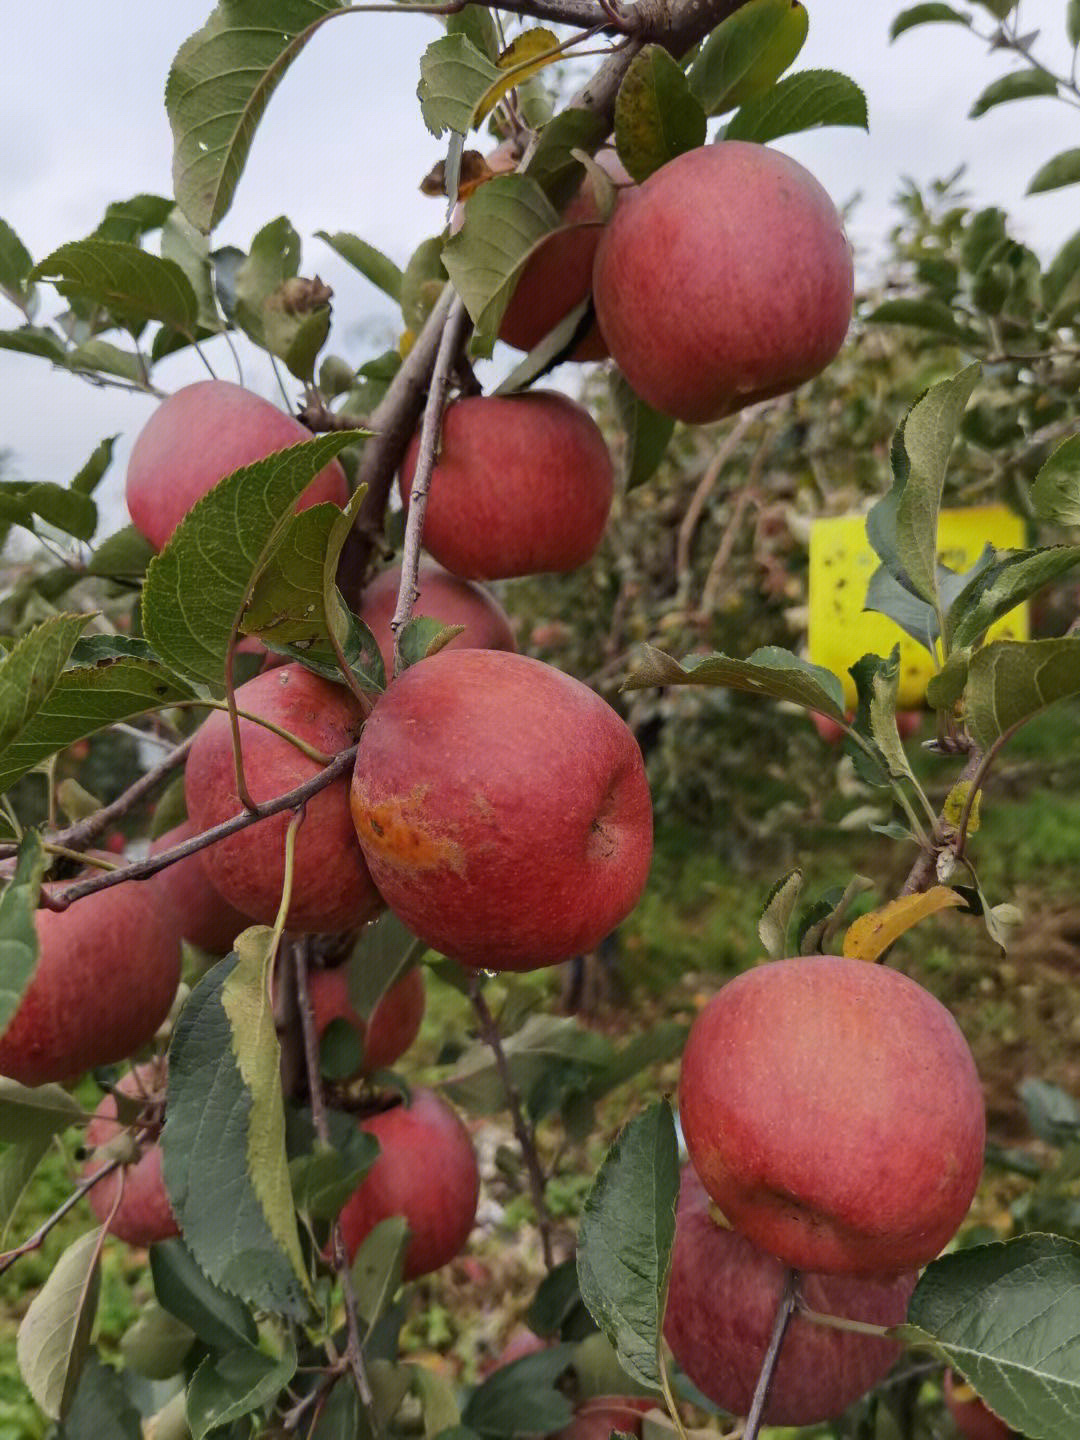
[37, 1239]
[772, 1355]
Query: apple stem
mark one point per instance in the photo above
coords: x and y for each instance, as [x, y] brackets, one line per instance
[450, 342]
[143, 869]
[784, 1312]
[354, 1352]
[840, 1322]
[526, 1135]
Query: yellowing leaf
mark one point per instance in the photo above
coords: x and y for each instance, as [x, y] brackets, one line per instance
[870, 935]
[954, 806]
[526, 55]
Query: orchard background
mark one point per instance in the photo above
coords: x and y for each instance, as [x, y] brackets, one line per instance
[259, 1321]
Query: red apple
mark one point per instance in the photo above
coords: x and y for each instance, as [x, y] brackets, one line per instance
[908, 723]
[198, 436]
[971, 1417]
[106, 976]
[722, 1298]
[203, 916]
[502, 808]
[523, 484]
[395, 1021]
[144, 1215]
[834, 1113]
[597, 1418]
[427, 1172]
[521, 1343]
[558, 274]
[723, 279]
[442, 596]
[332, 890]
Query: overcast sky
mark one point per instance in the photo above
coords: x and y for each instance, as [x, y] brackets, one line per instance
[343, 147]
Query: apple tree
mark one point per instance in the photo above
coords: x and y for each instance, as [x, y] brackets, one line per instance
[357, 776]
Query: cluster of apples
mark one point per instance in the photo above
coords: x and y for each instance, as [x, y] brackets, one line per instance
[835, 1124]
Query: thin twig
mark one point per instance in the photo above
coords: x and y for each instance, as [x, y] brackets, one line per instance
[143, 869]
[772, 1355]
[354, 1354]
[453, 335]
[923, 874]
[37, 1239]
[705, 487]
[526, 1138]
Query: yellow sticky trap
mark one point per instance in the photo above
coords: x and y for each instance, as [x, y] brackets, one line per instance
[841, 564]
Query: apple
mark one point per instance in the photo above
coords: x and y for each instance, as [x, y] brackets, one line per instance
[523, 1342]
[203, 916]
[144, 1215]
[107, 973]
[332, 890]
[394, 1023]
[908, 723]
[427, 1172]
[558, 274]
[722, 1299]
[723, 279]
[199, 435]
[833, 1111]
[973, 1420]
[502, 808]
[442, 596]
[597, 1418]
[522, 484]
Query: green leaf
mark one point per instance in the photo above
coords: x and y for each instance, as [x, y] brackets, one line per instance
[376, 1270]
[106, 359]
[944, 689]
[218, 88]
[902, 526]
[625, 1240]
[647, 433]
[245, 998]
[29, 1118]
[732, 56]
[157, 1344]
[544, 1043]
[454, 78]
[931, 315]
[423, 636]
[90, 476]
[324, 1180]
[421, 285]
[806, 100]
[868, 673]
[296, 322]
[102, 1408]
[1020, 85]
[521, 1398]
[553, 164]
[383, 952]
[372, 263]
[1052, 1113]
[775, 919]
[924, 15]
[656, 115]
[208, 1147]
[1072, 22]
[769, 671]
[15, 268]
[477, 24]
[221, 1321]
[35, 340]
[65, 509]
[129, 220]
[1063, 169]
[1055, 494]
[124, 555]
[225, 1387]
[665, 1041]
[882, 717]
[274, 259]
[1013, 577]
[504, 222]
[18, 933]
[1009, 681]
[109, 679]
[286, 603]
[189, 248]
[131, 284]
[886, 596]
[197, 587]
[1007, 1317]
[54, 1337]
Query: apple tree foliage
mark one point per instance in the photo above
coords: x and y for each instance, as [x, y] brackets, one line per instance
[253, 1331]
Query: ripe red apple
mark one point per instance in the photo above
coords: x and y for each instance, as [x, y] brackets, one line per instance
[106, 976]
[144, 1215]
[723, 279]
[598, 1417]
[332, 890]
[395, 1021]
[198, 436]
[558, 275]
[908, 723]
[442, 596]
[972, 1418]
[834, 1113]
[521, 1343]
[523, 484]
[203, 916]
[427, 1172]
[722, 1299]
[502, 808]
